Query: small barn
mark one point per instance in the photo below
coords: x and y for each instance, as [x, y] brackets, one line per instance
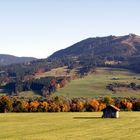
[111, 111]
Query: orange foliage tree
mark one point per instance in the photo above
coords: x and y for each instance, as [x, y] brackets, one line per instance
[5, 104]
[126, 105]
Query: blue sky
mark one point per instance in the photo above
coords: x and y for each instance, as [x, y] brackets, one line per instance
[40, 27]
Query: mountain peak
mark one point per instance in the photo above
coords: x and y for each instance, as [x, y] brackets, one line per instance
[113, 45]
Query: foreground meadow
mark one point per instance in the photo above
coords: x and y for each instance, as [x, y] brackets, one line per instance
[69, 126]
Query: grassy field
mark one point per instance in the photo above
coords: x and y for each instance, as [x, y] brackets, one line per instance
[69, 126]
[29, 94]
[62, 71]
[94, 85]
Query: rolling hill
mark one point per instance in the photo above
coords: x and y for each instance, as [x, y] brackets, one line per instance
[112, 51]
[128, 45]
[95, 84]
[82, 58]
[119, 51]
[10, 59]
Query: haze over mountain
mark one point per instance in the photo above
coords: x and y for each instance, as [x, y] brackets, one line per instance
[6, 59]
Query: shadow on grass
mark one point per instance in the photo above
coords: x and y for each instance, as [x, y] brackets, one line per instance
[87, 117]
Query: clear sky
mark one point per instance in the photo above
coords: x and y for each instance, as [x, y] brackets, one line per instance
[40, 27]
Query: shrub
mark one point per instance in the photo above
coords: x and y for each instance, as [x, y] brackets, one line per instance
[5, 104]
[108, 101]
[18, 105]
[43, 107]
[126, 105]
[94, 104]
[33, 106]
[136, 106]
[53, 107]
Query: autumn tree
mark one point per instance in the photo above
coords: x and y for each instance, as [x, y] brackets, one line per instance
[18, 105]
[5, 104]
[126, 105]
[108, 101]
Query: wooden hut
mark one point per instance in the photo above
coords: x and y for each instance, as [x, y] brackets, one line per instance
[111, 111]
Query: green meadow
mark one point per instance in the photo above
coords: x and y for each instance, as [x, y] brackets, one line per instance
[69, 126]
[94, 85]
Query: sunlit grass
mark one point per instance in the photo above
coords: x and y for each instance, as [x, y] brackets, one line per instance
[94, 85]
[62, 71]
[29, 94]
[69, 126]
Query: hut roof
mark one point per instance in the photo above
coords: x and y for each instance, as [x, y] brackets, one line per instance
[112, 106]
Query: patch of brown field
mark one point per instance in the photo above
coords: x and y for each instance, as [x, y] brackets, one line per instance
[101, 70]
[124, 90]
[97, 87]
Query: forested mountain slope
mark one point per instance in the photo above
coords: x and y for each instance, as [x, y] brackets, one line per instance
[123, 51]
[10, 59]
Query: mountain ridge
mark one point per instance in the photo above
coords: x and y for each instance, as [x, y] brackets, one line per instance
[7, 59]
[118, 51]
[106, 42]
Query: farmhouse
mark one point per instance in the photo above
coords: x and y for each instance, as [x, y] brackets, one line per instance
[111, 111]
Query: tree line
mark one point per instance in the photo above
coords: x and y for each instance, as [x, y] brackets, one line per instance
[43, 86]
[64, 104]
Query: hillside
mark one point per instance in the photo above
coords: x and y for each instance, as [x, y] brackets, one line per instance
[82, 58]
[10, 59]
[128, 45]
[120, 51]
[110, 51]
[94, 85]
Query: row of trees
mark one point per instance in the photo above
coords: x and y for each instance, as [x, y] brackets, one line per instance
[115, 85]
[43, 86]
[63, 104]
